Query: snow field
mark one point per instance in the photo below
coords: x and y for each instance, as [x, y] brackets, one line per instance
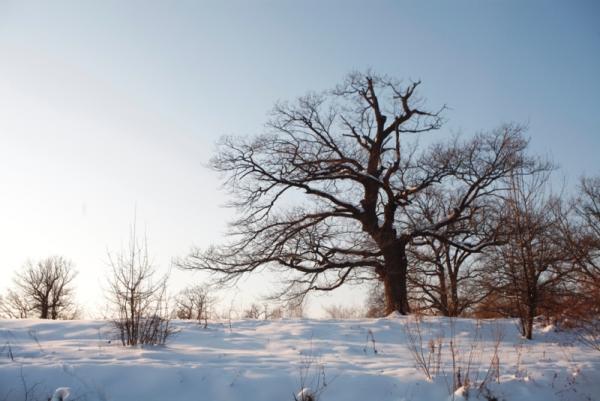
[364, 359]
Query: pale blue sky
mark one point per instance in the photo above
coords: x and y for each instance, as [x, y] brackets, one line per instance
[105, 105]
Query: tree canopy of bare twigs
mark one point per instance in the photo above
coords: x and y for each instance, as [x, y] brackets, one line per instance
[327, 194]
[530, 268]
[586, 241]
[445, 277]
[42, 289]
[588, 246]
[580, 229]
[13, 306]
[194, 303]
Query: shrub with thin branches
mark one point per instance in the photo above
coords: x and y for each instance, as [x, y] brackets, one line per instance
[138, 297]
[458, 364]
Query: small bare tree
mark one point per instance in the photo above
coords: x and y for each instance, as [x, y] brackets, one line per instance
[443, 273]
[42, 289]
[530, 269]
[13, 306]
[138, 296]
[580, 229]
[295, 308]
[583, 236]
[194, 303]
[252, 312]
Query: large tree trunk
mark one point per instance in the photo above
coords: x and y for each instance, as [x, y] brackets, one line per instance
[443, 304]
[529, 324]
[454, 309]
[44, 310]
[394, 279]
[530, 317]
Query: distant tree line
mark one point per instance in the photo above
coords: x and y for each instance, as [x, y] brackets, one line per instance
[544, 261]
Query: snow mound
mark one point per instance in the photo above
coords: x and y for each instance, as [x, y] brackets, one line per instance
[305, 394]
[61, 394]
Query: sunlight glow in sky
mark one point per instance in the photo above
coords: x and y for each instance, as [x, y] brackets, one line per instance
[108, 107]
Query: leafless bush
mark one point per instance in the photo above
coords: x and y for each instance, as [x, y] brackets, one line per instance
[370, 342]
[295, 308]
[271, 312]
[155, 330]
[138, 298]
[426, 354]
[343, 312]
[266, 312]
[462, 361]
[463, 364]
[252, 312]
[312, 378]
[493, 371]
[276, 312]
[273, 309]
[467, 366]
[519, 371]
[588, 333]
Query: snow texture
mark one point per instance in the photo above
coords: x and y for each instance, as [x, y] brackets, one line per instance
[362, 360]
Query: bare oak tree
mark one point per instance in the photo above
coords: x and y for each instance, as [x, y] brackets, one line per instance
[43, 289]
[327, 194]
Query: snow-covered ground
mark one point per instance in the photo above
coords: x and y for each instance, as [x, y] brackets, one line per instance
[253, 360]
